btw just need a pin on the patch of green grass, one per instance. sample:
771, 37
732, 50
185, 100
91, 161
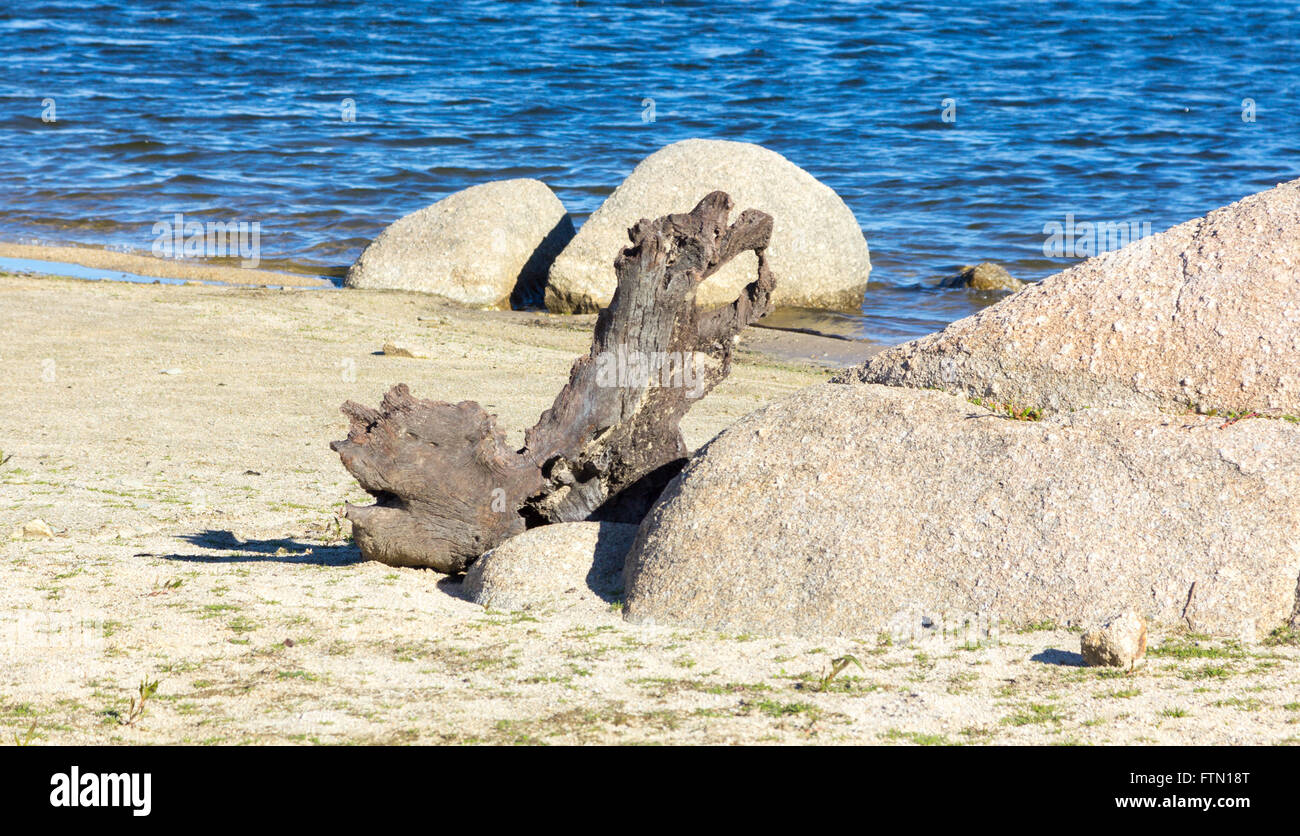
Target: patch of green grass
19, 709
1112, 673
1125, 694
1017, 413
1283, 636
1188, 647
1209, 672
306, 676
26, 739
1174, 712
1240, 704
1045, 625
977, 733
837, 667
918, 738
1033, 714
775, 708
241, 624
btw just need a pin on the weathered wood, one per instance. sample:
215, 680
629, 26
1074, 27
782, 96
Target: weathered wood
447, 487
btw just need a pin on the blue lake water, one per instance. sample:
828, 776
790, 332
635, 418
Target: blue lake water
239, 111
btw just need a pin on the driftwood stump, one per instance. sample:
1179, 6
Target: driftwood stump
446, 486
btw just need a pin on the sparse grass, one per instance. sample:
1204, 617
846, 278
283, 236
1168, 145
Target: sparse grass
776, 708
1112, 673
1033, 714
27, 738
978, 733
241, 624
1125, 694
1283, 636
961, 683
837, 667
1208, 672
1012, 411
148, 687
1193, 647
1174, 712
918, 738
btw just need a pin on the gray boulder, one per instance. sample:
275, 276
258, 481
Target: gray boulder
478, 247
818, 253
850, 510
1205, 316
562, 566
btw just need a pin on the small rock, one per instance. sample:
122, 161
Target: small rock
1119, 643
36, 529
984, 276
169, 371
394, 350
564, 565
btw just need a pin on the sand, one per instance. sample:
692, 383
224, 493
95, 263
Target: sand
174, 438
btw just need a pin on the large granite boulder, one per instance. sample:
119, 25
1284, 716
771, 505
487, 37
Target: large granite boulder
1205, 316
561, 566
856, 510
479, 247
818, 253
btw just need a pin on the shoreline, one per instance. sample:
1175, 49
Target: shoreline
786, 338
149, 266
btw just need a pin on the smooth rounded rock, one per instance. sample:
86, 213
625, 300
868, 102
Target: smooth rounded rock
818, 252
480, 247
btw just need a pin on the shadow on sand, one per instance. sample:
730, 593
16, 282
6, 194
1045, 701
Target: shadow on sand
230, 549
1059, 657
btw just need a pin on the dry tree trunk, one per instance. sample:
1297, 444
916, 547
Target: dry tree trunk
447, 488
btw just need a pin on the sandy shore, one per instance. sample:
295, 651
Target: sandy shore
175, 440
